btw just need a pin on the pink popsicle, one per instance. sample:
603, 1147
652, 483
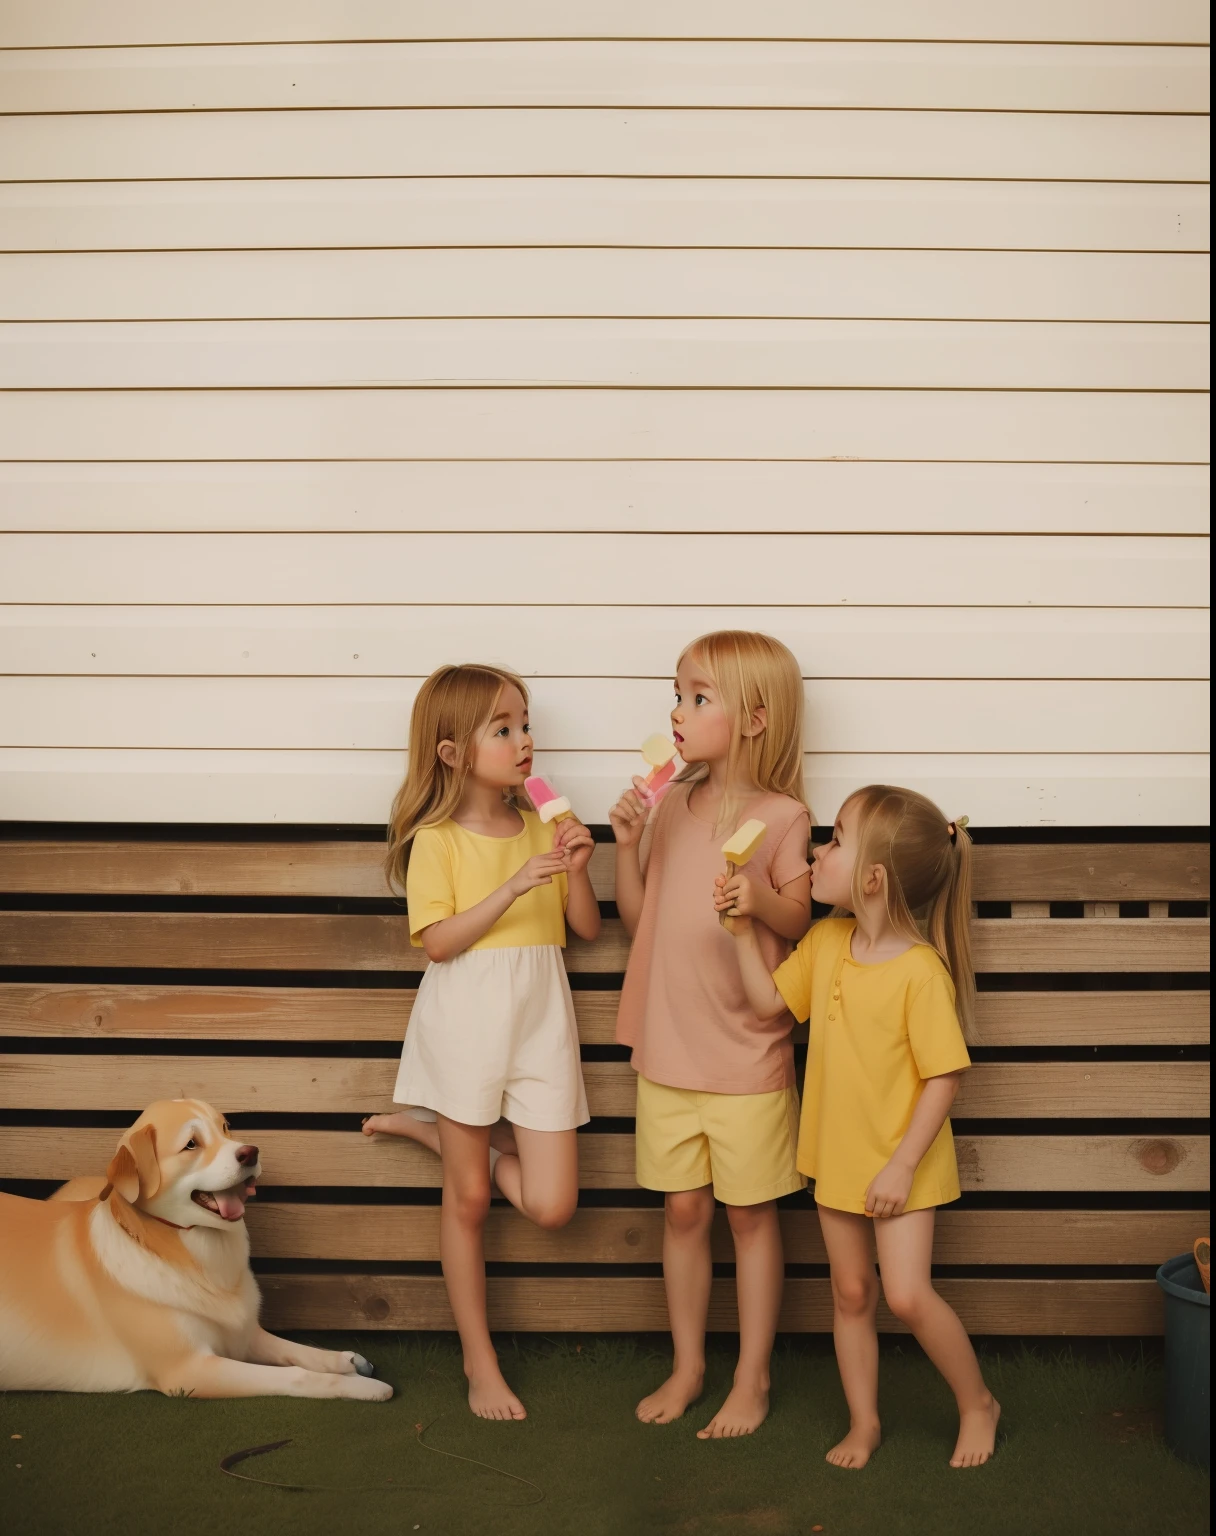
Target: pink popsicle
550, 806
661, 751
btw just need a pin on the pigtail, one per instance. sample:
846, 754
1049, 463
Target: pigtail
949, 923
928, 890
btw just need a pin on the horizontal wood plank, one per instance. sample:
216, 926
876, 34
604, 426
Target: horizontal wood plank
616, 354
351, 1085
553, 423
78, 23
597, 1235
603, 1304
831, 642
322, 568
633, 496
663, 284
1096, 872
847, 715
605, 141
316, 942
311, 214
1017, 77
95, 1011
295, 1159
248, 785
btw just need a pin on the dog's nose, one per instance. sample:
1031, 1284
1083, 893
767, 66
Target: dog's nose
246, 1156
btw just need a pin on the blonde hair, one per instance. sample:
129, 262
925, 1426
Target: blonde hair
454, 704
928, 865
752, 671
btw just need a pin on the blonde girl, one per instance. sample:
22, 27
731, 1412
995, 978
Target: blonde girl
717, 1109
887, 984
492, 1035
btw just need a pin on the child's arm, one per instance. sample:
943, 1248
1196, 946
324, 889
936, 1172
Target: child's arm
450, 936
787, 911
576, 845
889, 1189
628, 817
762, 996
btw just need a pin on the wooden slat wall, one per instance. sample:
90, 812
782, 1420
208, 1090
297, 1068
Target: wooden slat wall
1083, 1119
334, 338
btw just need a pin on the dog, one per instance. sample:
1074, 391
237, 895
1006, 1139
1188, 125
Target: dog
141, 1279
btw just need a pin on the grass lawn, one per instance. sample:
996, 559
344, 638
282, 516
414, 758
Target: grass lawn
1082, 1454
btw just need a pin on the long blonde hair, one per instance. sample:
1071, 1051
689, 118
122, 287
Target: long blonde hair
928, 865
452, 705
753, 670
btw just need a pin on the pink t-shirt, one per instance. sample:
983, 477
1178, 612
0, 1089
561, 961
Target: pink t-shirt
683, 1009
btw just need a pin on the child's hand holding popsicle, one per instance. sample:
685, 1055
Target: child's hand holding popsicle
734, 894
570, 837
629, 815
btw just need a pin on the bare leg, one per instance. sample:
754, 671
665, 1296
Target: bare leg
905, 1253
759, 1278
854, 1330
687, 1274
214, 1376
402, 1123
541, 1178
268, 1349
466, 1200
426, 1132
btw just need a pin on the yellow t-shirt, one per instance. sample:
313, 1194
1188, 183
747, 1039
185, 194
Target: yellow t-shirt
877, 1032
451, 869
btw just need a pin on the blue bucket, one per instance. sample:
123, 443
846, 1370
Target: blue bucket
1188, 1342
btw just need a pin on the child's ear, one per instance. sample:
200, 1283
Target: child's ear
875, 880
446, 753
758, 723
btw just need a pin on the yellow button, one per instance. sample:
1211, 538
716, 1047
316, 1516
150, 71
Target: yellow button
831, 1015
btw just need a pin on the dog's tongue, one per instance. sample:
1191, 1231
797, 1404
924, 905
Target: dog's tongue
230, 1202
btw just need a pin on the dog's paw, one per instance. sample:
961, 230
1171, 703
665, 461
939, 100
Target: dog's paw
371, 1391
361, 1366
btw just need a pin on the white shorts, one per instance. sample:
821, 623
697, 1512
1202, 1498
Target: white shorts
493, 1034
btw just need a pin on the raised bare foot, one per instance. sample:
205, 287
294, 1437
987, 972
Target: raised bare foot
490, 1397
857, 1447
670, 1401
976, 1435
743, 1412
402, 1123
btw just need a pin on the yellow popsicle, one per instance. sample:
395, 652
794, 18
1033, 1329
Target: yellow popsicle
737, 850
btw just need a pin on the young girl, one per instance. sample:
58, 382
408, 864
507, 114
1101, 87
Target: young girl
492, 1034
885, 1056
717, 1109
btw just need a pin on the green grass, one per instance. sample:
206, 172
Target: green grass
1081, 1454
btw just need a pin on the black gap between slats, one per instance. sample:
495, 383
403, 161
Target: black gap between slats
363, 832
386, 1050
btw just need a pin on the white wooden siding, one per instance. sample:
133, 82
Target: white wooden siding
340, 339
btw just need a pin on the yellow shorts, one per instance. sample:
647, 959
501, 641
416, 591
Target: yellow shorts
743, 1144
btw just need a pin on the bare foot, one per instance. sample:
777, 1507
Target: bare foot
402, 1123
976, 1435
670, 1401
490, 1397
743, 1412
857, 1447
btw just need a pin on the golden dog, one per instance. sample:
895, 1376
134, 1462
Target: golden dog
142, 1280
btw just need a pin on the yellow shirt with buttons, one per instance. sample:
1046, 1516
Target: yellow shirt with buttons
877, 1033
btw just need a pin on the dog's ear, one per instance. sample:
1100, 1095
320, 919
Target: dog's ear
134, 1169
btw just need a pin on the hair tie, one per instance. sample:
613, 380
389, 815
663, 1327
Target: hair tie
959, 824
